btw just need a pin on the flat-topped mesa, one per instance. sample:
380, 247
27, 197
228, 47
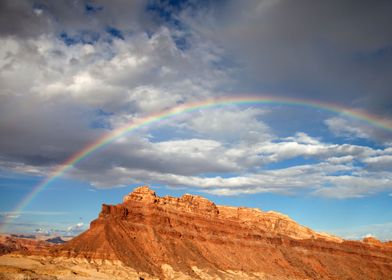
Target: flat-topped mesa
270, 221
148, 232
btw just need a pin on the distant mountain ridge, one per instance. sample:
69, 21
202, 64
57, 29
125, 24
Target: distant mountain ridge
55, 240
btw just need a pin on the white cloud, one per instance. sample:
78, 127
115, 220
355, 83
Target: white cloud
303, 138
341, 160
358, 184
10, 215
232, 124
382, 231
352, 128
76, 229
51, 90
343, 127
382, 162
335, 170
323, 179
369, 235
42, 231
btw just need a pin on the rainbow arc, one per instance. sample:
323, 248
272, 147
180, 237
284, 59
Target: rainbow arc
188, 108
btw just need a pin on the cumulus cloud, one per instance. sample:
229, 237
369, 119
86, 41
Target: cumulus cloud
334, 170
350, 128
232, 124
61, 96
342, 127
72, 71
383, 162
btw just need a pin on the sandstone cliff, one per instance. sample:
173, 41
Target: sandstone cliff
191, 234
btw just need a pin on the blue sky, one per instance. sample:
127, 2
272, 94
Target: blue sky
71, 73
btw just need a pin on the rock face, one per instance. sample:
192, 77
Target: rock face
9, 244
191, 234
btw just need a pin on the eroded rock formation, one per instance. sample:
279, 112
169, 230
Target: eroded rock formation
147, 232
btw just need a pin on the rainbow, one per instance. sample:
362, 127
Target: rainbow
188, 108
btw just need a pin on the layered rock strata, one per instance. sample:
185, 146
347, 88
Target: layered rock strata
147, 232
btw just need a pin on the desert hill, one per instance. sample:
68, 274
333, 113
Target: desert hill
190, 236
147, 231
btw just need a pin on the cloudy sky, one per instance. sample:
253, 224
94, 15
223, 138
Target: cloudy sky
73, 71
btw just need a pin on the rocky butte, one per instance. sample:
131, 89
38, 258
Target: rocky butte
190, 238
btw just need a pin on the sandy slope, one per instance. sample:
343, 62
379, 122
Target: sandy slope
13, 266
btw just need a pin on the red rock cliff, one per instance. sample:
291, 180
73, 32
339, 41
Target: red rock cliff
146, 231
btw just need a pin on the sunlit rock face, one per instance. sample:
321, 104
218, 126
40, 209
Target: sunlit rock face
192, 237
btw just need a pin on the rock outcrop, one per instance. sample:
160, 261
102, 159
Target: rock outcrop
149, 233
186, 203
372, 241
166, 237
9, 244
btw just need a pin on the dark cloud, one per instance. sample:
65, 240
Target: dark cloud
28, 18
21, 18
338, 51
41, 134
